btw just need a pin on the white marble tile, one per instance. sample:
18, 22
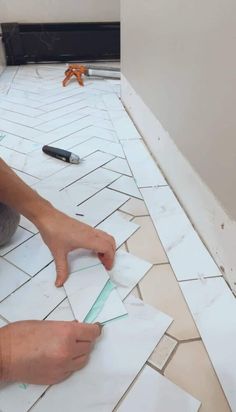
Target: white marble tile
82, 259
11, 278
95, 102
93, 131
31, 256
100, 206
20, 130
78, 107
116, 360
89, 185
64, 102
26, 224
126, 185
70, 141
62, 121
118, 227
119, 166
125, 128
152, 392
145, 170
2, 323
112, 102
18, 108
128, 270
72, 173
59, 200
19, 396
17, 118
18, 143
213, 308
83, 288
187, 254
94, 144
35, 299
20, 236
73, 127
64, 94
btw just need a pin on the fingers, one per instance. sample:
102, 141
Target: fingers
105, 247
85, 332
61, 268
79, 363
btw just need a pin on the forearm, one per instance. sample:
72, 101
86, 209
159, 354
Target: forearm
16, 194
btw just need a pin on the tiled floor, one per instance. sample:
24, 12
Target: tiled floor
34, 110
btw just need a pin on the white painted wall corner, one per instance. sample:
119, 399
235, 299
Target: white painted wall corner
216, 229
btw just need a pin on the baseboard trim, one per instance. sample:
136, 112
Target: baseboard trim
216, 229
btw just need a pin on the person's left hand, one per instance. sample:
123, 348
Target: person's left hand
62, 234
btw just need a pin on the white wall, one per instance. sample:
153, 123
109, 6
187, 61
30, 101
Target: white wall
31, 11
179, 55
179, 84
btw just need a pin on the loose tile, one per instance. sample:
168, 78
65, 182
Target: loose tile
83, 288
151, 249
187, 254
127, 185
160, 289
20, 236
35, 299
118, 227
140, 160
213, 307
89, 185
190, 368
72, 173
11, 278
127, 271
151, 389
100, 206
113, 308
122, 360
135, 207
31, 256
119, 166
162, 352
82, 259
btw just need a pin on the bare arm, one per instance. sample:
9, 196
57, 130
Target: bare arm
61, 233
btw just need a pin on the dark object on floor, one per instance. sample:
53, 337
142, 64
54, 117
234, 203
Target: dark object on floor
47, 42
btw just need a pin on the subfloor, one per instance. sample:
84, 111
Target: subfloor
33, 103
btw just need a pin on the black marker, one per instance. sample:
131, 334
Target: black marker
61, 154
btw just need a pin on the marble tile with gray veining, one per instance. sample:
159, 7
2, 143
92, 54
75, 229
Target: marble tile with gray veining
11, 278
187, 254
213, 307
116, 365
152, 391
127, 185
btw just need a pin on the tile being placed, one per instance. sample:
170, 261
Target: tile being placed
83, 288
100, 206
82, 259
119, 166
115, 355
113, 308
31, 256
213, 308
20, 236
72, 173
144, 168
126, 185
89, 185
118, 227
151, 391
11, 278
127, 271
35, 299
187, 254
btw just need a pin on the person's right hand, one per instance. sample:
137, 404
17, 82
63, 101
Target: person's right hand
44, 352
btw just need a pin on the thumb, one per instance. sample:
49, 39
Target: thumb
61, 269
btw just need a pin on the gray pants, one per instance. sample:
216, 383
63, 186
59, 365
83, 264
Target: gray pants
9, 220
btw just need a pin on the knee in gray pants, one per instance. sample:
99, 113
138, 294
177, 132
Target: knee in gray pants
9, 220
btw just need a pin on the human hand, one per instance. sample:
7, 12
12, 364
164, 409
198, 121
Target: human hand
62, 234
44, 352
